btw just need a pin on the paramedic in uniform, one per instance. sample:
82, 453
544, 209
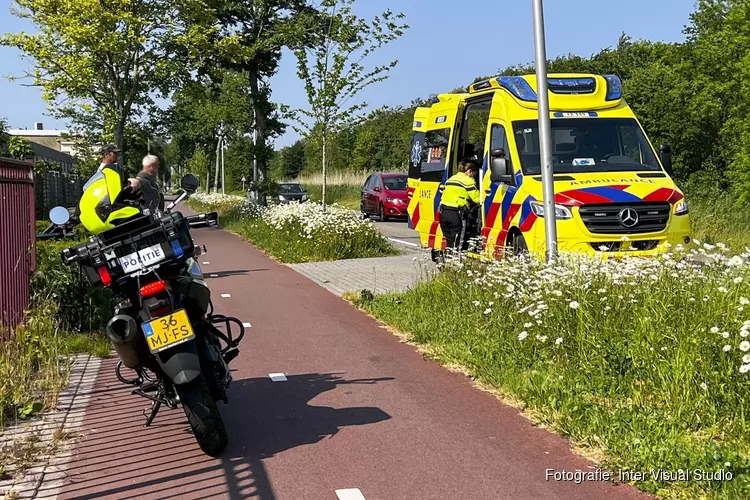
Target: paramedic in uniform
460, 195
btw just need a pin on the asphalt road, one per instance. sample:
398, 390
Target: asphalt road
357, 414
398, 233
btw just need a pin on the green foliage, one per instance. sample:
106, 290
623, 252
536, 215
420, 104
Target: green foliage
4, 138
98, 63
19, 148
330, 64
82, 307
297, 232
626, 358
347, 196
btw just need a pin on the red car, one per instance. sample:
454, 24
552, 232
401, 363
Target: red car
384, 195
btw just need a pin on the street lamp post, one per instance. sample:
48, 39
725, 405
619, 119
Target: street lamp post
545, 132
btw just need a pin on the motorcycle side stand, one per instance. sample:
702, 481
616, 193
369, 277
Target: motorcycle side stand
147, 386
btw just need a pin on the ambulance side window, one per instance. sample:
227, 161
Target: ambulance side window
434, 154
499, 140
415, 159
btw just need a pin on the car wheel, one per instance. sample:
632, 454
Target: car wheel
363, 210
382, 217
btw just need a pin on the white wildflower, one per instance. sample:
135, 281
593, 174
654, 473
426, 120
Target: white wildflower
523, 335
744, 346
574, 305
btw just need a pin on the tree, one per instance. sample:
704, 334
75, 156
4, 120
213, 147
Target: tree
99, 63
331, 67
247, 37
19, 148
4, 138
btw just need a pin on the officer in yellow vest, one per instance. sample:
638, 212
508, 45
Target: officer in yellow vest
460, 195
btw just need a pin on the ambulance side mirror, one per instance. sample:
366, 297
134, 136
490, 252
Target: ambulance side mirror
665, 154
500, 167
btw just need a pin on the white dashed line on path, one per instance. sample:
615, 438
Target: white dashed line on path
277, 377
350, 494
247, 325
206, 263
226, 295
214, 275
407, 243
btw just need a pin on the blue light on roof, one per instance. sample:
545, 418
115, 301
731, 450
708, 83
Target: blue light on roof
614, 87
433, 99
572, 82
518, 87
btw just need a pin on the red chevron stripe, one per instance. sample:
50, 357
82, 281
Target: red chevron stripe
494, 210
527, 224
661, 194
433, 234
585, 197
415, 217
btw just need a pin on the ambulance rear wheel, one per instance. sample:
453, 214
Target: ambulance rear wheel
518, 245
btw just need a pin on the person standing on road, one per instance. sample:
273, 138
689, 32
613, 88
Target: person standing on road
460, 195
149, 188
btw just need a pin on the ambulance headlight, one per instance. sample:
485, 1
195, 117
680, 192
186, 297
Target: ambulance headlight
681, 207
561, 211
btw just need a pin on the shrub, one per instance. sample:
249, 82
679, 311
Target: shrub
299, 232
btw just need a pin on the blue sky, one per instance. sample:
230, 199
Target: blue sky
443, 49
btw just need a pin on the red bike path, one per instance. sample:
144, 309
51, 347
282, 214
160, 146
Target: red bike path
359, 411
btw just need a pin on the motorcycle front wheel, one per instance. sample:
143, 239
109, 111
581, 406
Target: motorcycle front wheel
204, 417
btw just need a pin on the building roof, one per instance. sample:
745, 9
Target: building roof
36, 133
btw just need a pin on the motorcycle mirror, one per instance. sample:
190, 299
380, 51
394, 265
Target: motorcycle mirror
189, 183
59, 215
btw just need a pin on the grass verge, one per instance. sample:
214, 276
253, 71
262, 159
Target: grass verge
297, 233
644, 364
66, 318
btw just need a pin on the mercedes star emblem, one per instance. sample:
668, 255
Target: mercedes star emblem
628, 217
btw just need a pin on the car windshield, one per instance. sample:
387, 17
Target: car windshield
582, 145
290, 188
395, 183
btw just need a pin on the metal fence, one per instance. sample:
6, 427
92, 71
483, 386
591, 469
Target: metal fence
17, 239
57, 189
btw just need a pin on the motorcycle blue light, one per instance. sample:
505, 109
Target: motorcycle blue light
518, 87
614, 87
177, 248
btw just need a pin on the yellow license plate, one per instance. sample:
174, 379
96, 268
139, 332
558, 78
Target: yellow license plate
168, 331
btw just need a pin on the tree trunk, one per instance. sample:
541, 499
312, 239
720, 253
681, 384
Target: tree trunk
119, 137
325, 166
260, 105
216, 174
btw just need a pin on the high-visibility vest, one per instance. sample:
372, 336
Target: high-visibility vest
460, 191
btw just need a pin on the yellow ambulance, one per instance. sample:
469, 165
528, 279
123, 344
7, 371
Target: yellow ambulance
613, 192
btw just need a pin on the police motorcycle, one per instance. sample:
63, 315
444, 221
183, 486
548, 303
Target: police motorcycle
164, 328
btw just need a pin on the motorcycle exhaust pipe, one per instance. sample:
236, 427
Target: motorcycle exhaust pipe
123, 334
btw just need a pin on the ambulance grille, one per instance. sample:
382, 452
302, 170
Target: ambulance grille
605, 219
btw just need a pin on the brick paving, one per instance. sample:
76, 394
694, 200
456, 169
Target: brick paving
44, 479
379, 275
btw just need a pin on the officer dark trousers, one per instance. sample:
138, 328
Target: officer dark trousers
451, 224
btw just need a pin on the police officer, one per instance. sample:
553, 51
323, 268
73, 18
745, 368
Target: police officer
460, 195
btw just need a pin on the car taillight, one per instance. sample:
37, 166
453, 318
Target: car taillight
153, 288
104, 275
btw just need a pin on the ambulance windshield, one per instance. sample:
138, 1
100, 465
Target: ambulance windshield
581, 145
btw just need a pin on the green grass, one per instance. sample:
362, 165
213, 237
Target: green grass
347, 196
624, 382
66, 318
300, 233
717, 217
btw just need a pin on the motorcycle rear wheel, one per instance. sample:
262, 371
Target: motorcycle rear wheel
204, 417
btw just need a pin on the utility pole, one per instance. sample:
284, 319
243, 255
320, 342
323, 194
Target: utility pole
223, 146
545, 133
